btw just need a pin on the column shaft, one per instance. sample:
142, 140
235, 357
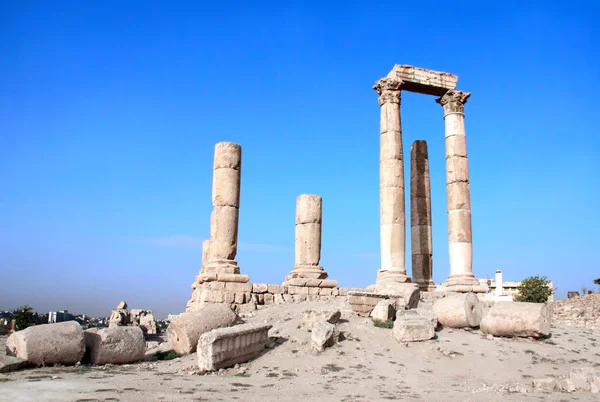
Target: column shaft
420, 217
458, 193
308, 238
391, 184
226, 202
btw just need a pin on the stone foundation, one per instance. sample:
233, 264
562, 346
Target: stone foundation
242, 296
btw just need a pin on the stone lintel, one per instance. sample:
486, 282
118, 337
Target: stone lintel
421, 80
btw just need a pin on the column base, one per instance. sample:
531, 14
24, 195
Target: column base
428, 286
464, 285
223, 271
307, 271
392, 276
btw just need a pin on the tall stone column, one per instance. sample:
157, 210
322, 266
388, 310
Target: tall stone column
420, 217
391, 184
226, 202
458, 195
308, 238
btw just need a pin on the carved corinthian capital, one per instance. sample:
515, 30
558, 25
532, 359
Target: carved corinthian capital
388, 90
454, 101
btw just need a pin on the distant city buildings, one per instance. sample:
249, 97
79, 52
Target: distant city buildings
59, 316
507, 291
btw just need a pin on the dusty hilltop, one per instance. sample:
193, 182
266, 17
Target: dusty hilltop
366, 364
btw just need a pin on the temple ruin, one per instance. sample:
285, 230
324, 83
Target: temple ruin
220, 280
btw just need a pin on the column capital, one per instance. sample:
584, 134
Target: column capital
388, 90
453, 101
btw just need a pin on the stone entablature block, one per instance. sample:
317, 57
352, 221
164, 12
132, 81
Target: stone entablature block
225, 347
424, 81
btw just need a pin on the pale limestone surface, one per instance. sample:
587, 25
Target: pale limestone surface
391, 184
517, 319
410, 326
225, 347
185, 332
420, 217
117, 345
458, 310
59, 343
421, 80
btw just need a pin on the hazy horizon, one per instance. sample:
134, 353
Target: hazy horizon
109, 114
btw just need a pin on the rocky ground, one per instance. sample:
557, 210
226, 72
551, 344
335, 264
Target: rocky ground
368, 365
579, 312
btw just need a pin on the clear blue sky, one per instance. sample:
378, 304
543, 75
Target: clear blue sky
109, 114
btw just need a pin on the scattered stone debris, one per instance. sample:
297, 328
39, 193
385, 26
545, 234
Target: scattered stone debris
580, 311
309, 318
581, 379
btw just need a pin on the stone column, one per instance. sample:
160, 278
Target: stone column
499, 283
308, 238
392, 218
420, 217
226, 202
458, 195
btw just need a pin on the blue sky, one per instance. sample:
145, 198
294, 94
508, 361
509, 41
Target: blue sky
109, 114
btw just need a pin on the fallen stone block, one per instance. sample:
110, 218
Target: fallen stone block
582, 378
407, 295
458, 311
225, 347
385, 310
566, 385
309, 318
430, 315
363, 302
410, 326
545, 384
117, 345
11, 363
322, 335
184, 333
517, 319
60, 343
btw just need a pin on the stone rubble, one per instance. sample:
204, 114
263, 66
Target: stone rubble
410, 326
580, 311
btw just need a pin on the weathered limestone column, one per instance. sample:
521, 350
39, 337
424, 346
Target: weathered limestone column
420, 217
391, 184
226, 202
458, 194
308, 238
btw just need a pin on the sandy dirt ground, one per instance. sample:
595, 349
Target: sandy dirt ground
369, 365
